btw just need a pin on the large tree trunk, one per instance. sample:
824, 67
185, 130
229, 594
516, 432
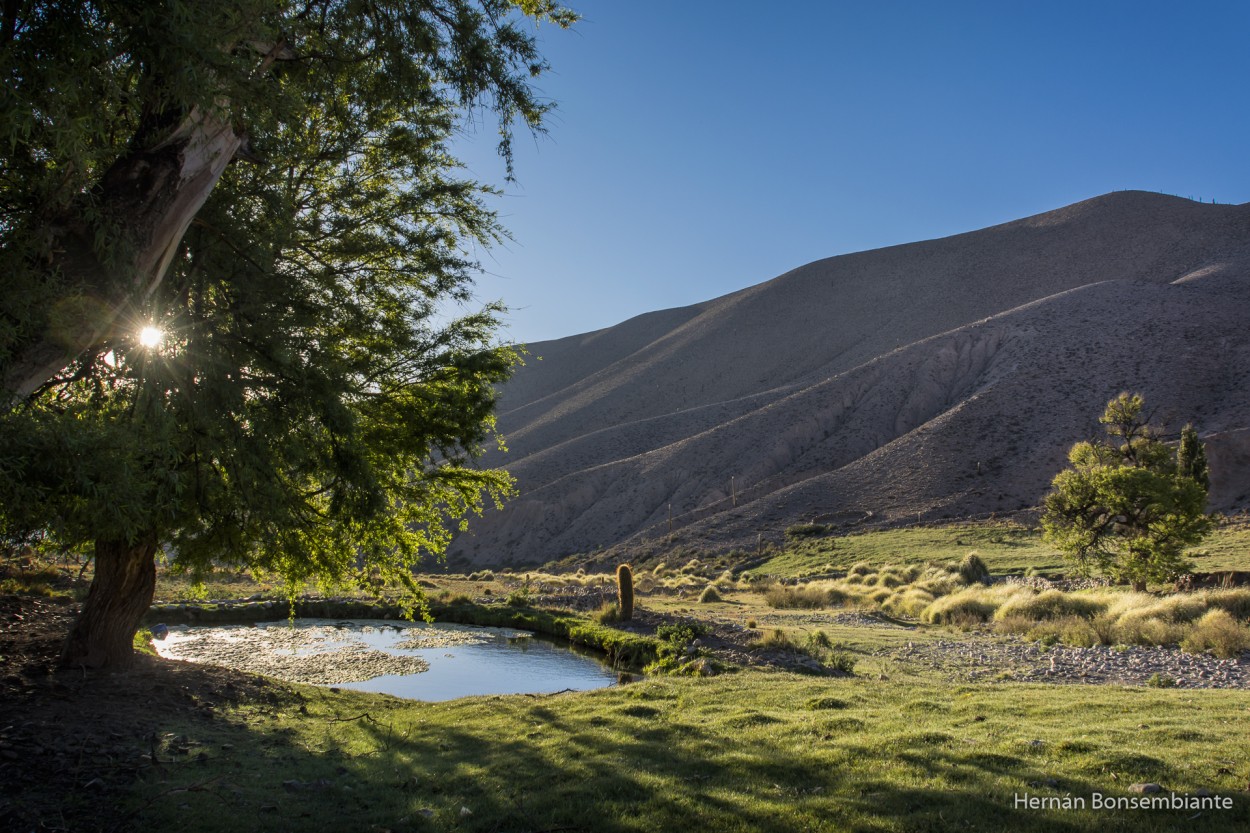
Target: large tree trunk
149, 196
121, 592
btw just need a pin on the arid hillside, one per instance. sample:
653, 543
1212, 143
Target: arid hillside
937, 379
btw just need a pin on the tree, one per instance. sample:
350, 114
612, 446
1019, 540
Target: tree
313, 404
1125, 508
1191, 458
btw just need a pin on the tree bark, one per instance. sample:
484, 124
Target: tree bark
121, 592
150, 195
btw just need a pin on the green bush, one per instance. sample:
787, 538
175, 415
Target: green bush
808, 530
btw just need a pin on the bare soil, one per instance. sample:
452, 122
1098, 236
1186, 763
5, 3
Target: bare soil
72, 743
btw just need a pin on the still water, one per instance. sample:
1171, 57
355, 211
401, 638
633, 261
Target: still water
414, 660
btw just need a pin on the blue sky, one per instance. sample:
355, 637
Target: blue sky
701, 146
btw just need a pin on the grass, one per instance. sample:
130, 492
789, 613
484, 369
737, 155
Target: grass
755, 751
1007, 549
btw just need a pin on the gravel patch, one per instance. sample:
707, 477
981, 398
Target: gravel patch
982, 658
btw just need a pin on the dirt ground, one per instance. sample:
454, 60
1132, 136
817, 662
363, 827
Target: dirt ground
71, 743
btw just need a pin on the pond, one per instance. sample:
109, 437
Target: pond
415, 660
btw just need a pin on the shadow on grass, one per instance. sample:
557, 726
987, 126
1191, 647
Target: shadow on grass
632, 761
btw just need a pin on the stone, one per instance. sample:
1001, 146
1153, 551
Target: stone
1145, 788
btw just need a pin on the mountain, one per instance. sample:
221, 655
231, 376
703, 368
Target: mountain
932, 380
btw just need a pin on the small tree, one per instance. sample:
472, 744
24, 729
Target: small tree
1126, 507
1191, 458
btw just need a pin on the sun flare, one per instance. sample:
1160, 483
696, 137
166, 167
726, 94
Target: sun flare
151, 336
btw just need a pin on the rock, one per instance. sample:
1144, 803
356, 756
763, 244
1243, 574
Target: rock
1145, 789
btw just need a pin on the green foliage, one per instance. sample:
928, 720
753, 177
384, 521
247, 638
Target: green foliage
1191, 458
1122, 509
625, 591
680, 634
314, 411
811, 530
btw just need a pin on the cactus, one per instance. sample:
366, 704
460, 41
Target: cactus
625, 591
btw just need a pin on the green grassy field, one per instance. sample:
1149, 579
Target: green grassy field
754, 751
1005, 548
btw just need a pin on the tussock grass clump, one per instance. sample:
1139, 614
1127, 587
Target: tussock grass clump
1052, 604
1235, 602
482, 575
911, 601
971, 606
860, 569
776, 638
608, 614
792, 598
1219, 633
710, 595
973, 570
1140, 628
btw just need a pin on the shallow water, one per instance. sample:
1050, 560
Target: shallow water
414, 660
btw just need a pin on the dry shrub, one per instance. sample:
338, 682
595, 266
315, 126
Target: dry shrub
709, 595
1219, 633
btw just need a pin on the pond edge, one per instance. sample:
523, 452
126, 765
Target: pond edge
624, 651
